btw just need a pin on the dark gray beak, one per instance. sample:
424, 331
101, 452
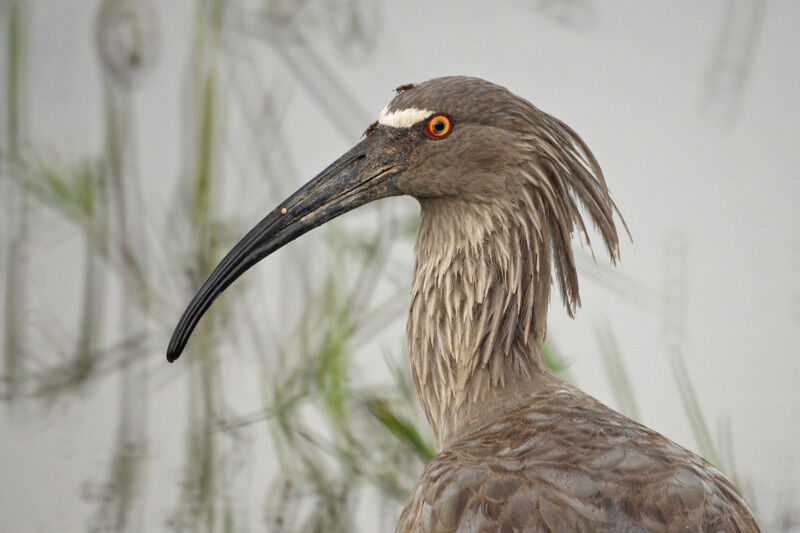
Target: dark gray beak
367, 172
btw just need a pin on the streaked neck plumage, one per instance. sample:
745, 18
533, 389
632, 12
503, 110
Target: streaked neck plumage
478, 309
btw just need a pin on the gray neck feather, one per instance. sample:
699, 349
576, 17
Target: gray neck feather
485, 260
478, 308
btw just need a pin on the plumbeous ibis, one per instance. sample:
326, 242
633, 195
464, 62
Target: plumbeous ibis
502, 188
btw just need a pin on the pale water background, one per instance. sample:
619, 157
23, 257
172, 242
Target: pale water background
709, 164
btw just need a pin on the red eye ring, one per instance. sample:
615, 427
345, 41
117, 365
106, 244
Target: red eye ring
438, 126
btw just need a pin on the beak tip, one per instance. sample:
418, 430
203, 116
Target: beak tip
173, 352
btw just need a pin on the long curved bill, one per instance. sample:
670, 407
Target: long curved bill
367, 172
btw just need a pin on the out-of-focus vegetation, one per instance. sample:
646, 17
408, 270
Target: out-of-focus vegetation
340, 448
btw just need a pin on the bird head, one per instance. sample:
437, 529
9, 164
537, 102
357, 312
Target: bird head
455, 139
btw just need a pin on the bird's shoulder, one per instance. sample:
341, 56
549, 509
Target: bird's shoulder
568, 463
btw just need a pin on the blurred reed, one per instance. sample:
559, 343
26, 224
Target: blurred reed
616, 372
125, 38
16, 207
338, 442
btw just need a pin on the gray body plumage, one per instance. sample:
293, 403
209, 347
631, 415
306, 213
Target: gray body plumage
558, 460
503, 188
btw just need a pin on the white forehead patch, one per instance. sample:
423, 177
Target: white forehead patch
403, 118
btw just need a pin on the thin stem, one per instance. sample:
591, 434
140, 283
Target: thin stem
16, 208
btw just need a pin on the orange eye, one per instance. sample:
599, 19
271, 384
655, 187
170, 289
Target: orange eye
438, 126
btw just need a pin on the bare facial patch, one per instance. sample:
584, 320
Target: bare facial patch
403, 118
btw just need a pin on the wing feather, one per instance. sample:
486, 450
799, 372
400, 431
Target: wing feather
567, 463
